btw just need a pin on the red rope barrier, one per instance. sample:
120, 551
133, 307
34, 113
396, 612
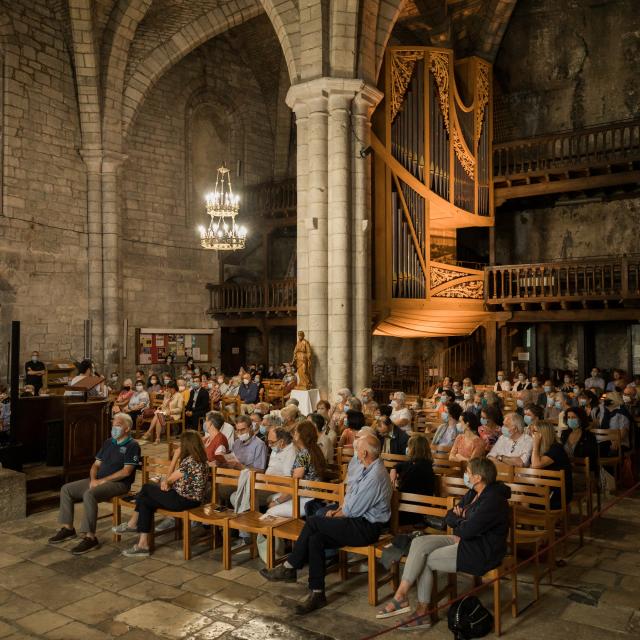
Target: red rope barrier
514, 569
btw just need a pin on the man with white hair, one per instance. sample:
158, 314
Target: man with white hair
111, 475
401, 414
514, 446
358, 522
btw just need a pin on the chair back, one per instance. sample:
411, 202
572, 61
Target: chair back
273, 484
452, 486
446, 467
614, 436
328, 491
505, 471
154, 466
223, 477
390, 460
417, 503
543, 477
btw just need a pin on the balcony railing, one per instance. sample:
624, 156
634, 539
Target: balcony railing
271, 200
584, 280
271, 297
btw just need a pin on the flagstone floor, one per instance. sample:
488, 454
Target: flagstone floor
45, 592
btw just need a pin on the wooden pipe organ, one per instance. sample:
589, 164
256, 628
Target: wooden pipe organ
432, 173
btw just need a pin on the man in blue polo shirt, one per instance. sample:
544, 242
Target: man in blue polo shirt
111, 475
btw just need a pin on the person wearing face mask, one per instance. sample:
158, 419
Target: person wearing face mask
184, 389
445, 385
441, 399
138, 402
553, 407
401, 415
502, 383
535, 384
111, 475
630, 400
214, 441
533, 414
369, 405
392, 439
249, 394
259, 428
353, 422
122, 400
547, 390
323, 408
548, 453
522, 397
114, 384
198, 404
172, 406
281, 458
468, 400
521, 383
513, 446
447, 432
579, 442
615, 416
490, 425
250, 451
359, 521
468, 444
338, 411
324, 442
457, 391
595, 380
154, 385
567, 383
480, 524
35, 371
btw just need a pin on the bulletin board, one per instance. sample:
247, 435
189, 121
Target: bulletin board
154, 345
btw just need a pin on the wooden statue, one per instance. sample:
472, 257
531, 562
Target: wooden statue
302, 361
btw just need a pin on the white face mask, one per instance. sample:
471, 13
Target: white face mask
243, 437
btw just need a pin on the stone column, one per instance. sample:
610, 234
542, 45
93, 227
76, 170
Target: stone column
112, 262
93, 160
364, 103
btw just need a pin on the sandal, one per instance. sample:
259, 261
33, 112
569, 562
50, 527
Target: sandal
399, 607
416, 622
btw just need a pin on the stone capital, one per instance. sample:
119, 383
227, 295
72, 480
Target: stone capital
329, 91
112, 161
92, 159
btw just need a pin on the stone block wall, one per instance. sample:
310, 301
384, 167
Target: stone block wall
43, 272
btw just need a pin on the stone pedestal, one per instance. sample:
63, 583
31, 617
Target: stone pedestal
307, 399
13, 495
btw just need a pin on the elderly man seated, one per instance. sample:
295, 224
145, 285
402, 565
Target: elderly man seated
358, 522
514, 445
111, 475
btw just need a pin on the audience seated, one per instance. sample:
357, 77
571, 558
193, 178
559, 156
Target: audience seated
353, 422
154, 385
122, 399
617, 384
198, 404
111, 475
595, 380
468, 444
548, 453
447, 432
325, 443
547, 390
172, 407
615, 416
480, 524
215, 442
358, 522
249, 394
490, 424
401, 414
138, 402
392, 439
533, 414
502, 382
338, 411
521, 383
513, 446
289, 415
415, 475
369, 405
579, 442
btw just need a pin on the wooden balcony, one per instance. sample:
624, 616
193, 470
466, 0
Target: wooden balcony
590, 158
586, 283
272, 298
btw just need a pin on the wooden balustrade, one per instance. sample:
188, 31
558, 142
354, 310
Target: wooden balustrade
271, 200
272, 296
593, 157
607, 281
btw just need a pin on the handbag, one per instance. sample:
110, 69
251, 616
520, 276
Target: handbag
469, 619
435, 522
148, 413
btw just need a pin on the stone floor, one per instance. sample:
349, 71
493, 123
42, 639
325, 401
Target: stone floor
47, 593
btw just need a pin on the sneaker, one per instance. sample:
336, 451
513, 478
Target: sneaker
165, 524
123, 527
86, 544
315, 600
136, 552
62, 535
280, 574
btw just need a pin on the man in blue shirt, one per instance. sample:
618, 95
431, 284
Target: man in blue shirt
358, 523
111, 475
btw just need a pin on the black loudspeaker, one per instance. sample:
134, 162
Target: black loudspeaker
55, 443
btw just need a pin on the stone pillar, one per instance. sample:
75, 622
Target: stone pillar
364, 103
112, 262
93, 160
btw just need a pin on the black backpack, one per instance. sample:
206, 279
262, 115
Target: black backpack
469, 619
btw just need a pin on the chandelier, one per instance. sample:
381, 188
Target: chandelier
223, 233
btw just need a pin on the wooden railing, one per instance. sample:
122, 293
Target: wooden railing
273, 296
271, 200
581, 280
593, 146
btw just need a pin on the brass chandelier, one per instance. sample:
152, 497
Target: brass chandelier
223, 234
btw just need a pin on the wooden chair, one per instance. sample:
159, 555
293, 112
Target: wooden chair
256, 523
274, 392
155, 402
452, 486
343, 458
179, 422
581, 466
390, 460
213, 514
534, 524
614, 437
508, 565
505, 471
327, 491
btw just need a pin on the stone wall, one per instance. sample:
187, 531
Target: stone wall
165, 270
43, 273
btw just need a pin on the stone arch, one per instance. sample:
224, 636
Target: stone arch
169, 53
119, 34
285, 18
343, 38
388, 13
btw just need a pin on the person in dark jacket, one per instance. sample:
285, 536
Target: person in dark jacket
579, 442
392, 439
480, 524
198, 404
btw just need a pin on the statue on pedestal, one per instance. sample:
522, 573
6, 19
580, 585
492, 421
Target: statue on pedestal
302, 361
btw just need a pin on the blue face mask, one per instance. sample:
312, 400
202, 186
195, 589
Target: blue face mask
443, 399
484, 421
582, 402
467, 481
547, 389
263, 429
528, 420
445, 416
116, 432
573, 423
558, 405
459, 428
505, 432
